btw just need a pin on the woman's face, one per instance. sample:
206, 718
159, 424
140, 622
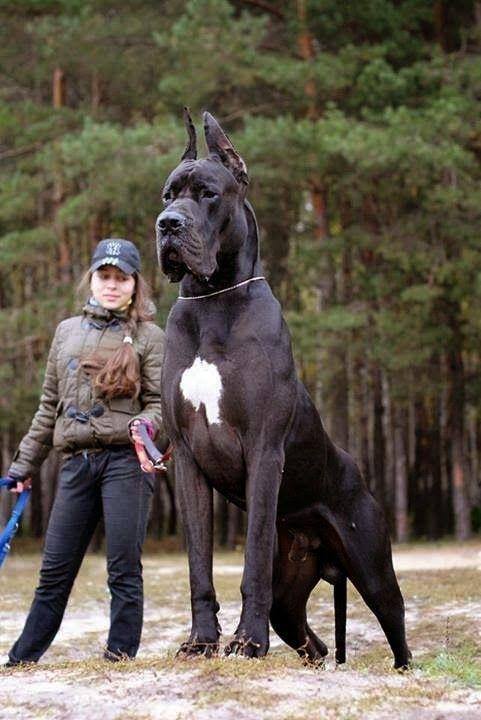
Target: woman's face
111, 287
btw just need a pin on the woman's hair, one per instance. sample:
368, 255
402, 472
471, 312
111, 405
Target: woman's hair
119, 375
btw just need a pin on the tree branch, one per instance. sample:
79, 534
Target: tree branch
17, 152
262, 5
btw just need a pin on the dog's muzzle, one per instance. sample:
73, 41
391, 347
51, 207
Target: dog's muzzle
171, 222
181, 249
170, 259
170, 226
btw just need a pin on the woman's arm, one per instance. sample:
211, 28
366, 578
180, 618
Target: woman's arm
37, 443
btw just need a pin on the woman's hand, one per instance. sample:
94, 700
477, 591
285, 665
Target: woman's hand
25, 484
144, 460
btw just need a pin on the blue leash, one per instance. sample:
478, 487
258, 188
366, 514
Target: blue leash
12, 525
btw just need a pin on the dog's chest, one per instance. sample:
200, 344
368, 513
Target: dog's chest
201, 387
202, 401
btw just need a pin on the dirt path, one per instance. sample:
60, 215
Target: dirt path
438, 557
442, 590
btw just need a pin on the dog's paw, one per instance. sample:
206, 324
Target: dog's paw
247, 647
196, 648
313, 653
316, 663
251, 638
403, 661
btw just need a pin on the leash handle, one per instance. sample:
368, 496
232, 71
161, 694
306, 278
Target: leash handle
8, 482
12, 525
157, 458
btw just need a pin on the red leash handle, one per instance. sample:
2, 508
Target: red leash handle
157, 458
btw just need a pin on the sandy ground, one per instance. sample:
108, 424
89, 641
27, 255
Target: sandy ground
437, 557
442, 590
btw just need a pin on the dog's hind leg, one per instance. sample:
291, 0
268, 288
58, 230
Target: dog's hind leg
368, 564
296, 573
360, 548
380, 591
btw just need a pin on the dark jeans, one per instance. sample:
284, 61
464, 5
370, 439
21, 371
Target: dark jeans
111, 483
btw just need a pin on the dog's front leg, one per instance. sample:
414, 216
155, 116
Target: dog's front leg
263, 482
196, 506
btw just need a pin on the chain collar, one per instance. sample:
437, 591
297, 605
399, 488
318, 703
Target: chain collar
218, 292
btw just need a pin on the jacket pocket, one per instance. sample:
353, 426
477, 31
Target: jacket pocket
127, 405
120, 411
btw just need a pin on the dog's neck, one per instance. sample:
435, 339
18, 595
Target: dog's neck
233, 268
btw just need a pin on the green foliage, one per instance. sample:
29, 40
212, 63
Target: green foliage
382, 122
210, 55
460, 664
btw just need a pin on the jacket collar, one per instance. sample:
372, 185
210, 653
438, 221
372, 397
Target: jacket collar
101, 316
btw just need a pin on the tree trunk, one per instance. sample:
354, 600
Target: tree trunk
440, 27
96, 92
337, 413
307, 53
446, 510
411, 430
436, 497
379, 441
388, 431
363, 421
339, 400
475, 489
5, 497
455, 367
462, 521
64, 259
340, 387
58, 88
418, 477
401, 477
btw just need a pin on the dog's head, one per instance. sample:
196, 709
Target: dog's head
204, 206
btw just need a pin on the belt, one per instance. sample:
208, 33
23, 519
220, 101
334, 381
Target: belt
101, 448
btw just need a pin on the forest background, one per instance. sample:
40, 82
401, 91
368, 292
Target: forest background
360, 124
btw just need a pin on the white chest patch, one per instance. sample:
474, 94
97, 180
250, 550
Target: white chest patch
201, 384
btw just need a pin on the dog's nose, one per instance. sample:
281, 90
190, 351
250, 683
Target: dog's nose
170, 222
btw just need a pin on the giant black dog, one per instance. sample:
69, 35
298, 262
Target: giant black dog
242, 422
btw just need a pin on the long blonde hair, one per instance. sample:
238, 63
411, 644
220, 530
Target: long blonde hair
119, 375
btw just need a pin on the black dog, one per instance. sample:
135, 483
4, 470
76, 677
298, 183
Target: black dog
241, 422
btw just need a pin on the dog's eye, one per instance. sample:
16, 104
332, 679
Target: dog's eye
208, 194
167, 198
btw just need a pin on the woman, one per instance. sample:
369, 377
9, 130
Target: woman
102, 377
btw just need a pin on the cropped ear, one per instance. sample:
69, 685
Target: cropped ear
190, 152
219, 144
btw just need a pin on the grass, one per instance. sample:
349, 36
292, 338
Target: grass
444, 630
461, 664
431, 587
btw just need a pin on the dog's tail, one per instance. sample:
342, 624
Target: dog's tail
340, 605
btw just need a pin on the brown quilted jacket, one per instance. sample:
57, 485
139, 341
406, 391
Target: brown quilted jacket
69, 417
